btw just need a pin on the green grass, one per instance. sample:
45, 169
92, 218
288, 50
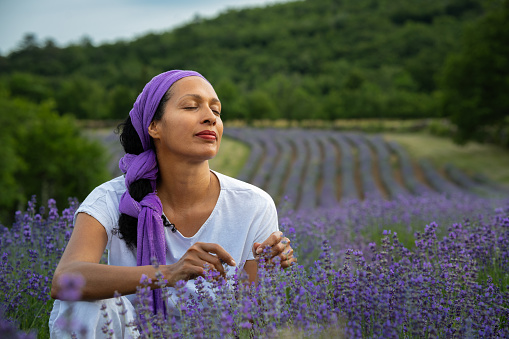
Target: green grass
231, 157
488, 160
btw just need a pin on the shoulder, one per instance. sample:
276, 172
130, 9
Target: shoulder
115, 184
102, 204
238, 188
108, 193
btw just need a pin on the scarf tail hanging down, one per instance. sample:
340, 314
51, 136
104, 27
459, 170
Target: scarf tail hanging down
151, 240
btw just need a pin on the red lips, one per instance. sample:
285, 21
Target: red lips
206, 134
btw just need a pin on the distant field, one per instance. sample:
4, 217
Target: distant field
489, 160
319, 167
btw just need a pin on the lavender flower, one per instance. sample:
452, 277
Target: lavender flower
450, 280
71, 286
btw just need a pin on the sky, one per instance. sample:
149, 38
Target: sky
68, 21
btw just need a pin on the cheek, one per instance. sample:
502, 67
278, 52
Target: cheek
220, 136
220, 127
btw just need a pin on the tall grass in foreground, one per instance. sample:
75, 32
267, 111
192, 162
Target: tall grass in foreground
414, 267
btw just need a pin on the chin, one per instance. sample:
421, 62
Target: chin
206, 157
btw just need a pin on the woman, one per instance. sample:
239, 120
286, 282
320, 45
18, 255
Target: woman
172, 131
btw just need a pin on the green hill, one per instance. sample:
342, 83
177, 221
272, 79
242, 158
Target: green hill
315, 59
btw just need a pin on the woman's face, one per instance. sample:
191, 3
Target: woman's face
191, 126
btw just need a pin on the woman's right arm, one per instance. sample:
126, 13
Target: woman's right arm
87, 244
82, 256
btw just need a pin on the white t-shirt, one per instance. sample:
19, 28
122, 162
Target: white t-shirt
244, 214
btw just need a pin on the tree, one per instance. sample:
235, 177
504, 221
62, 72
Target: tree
44, 154
475, 81
29, 42
121, 102
232, 102
260, 106
29, 86
83, 98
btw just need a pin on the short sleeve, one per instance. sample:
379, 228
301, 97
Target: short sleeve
102, 205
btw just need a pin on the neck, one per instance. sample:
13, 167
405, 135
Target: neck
184, 185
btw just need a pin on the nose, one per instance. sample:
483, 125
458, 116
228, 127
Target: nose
209, 117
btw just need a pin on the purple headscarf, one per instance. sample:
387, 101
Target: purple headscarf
151, 239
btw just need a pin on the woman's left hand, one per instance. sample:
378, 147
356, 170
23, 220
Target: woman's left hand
280, 248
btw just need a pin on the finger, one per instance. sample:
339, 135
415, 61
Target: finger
289, 262
196, 271
277, 249
283, 257
286, 254
219, 251
281, 247
213, 261
273, 239
197, 264
255, 247
197, 258
192, 268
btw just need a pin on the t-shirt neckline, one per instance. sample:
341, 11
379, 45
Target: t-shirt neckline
218, 202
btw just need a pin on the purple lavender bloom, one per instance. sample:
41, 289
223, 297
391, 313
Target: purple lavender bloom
71, 286
448, 281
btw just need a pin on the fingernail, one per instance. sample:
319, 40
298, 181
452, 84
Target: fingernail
233, 263
259, 250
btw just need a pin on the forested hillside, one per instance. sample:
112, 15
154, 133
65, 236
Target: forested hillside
315, 59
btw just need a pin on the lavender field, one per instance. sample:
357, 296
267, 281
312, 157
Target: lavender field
317, 168
388, 246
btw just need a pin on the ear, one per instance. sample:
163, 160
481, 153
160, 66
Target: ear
153, 130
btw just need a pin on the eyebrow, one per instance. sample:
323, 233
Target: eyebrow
197, 96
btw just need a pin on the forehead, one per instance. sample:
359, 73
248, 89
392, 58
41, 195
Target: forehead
193, 85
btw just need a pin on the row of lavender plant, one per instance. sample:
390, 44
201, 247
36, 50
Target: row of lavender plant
309, 194
255, 155
436, 180
267, 163
407, 171
294, 180
348, 189
369, 188
280, 171
328, 196
384, 165
462, 180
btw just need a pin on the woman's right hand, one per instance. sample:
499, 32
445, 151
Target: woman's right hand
192, 264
